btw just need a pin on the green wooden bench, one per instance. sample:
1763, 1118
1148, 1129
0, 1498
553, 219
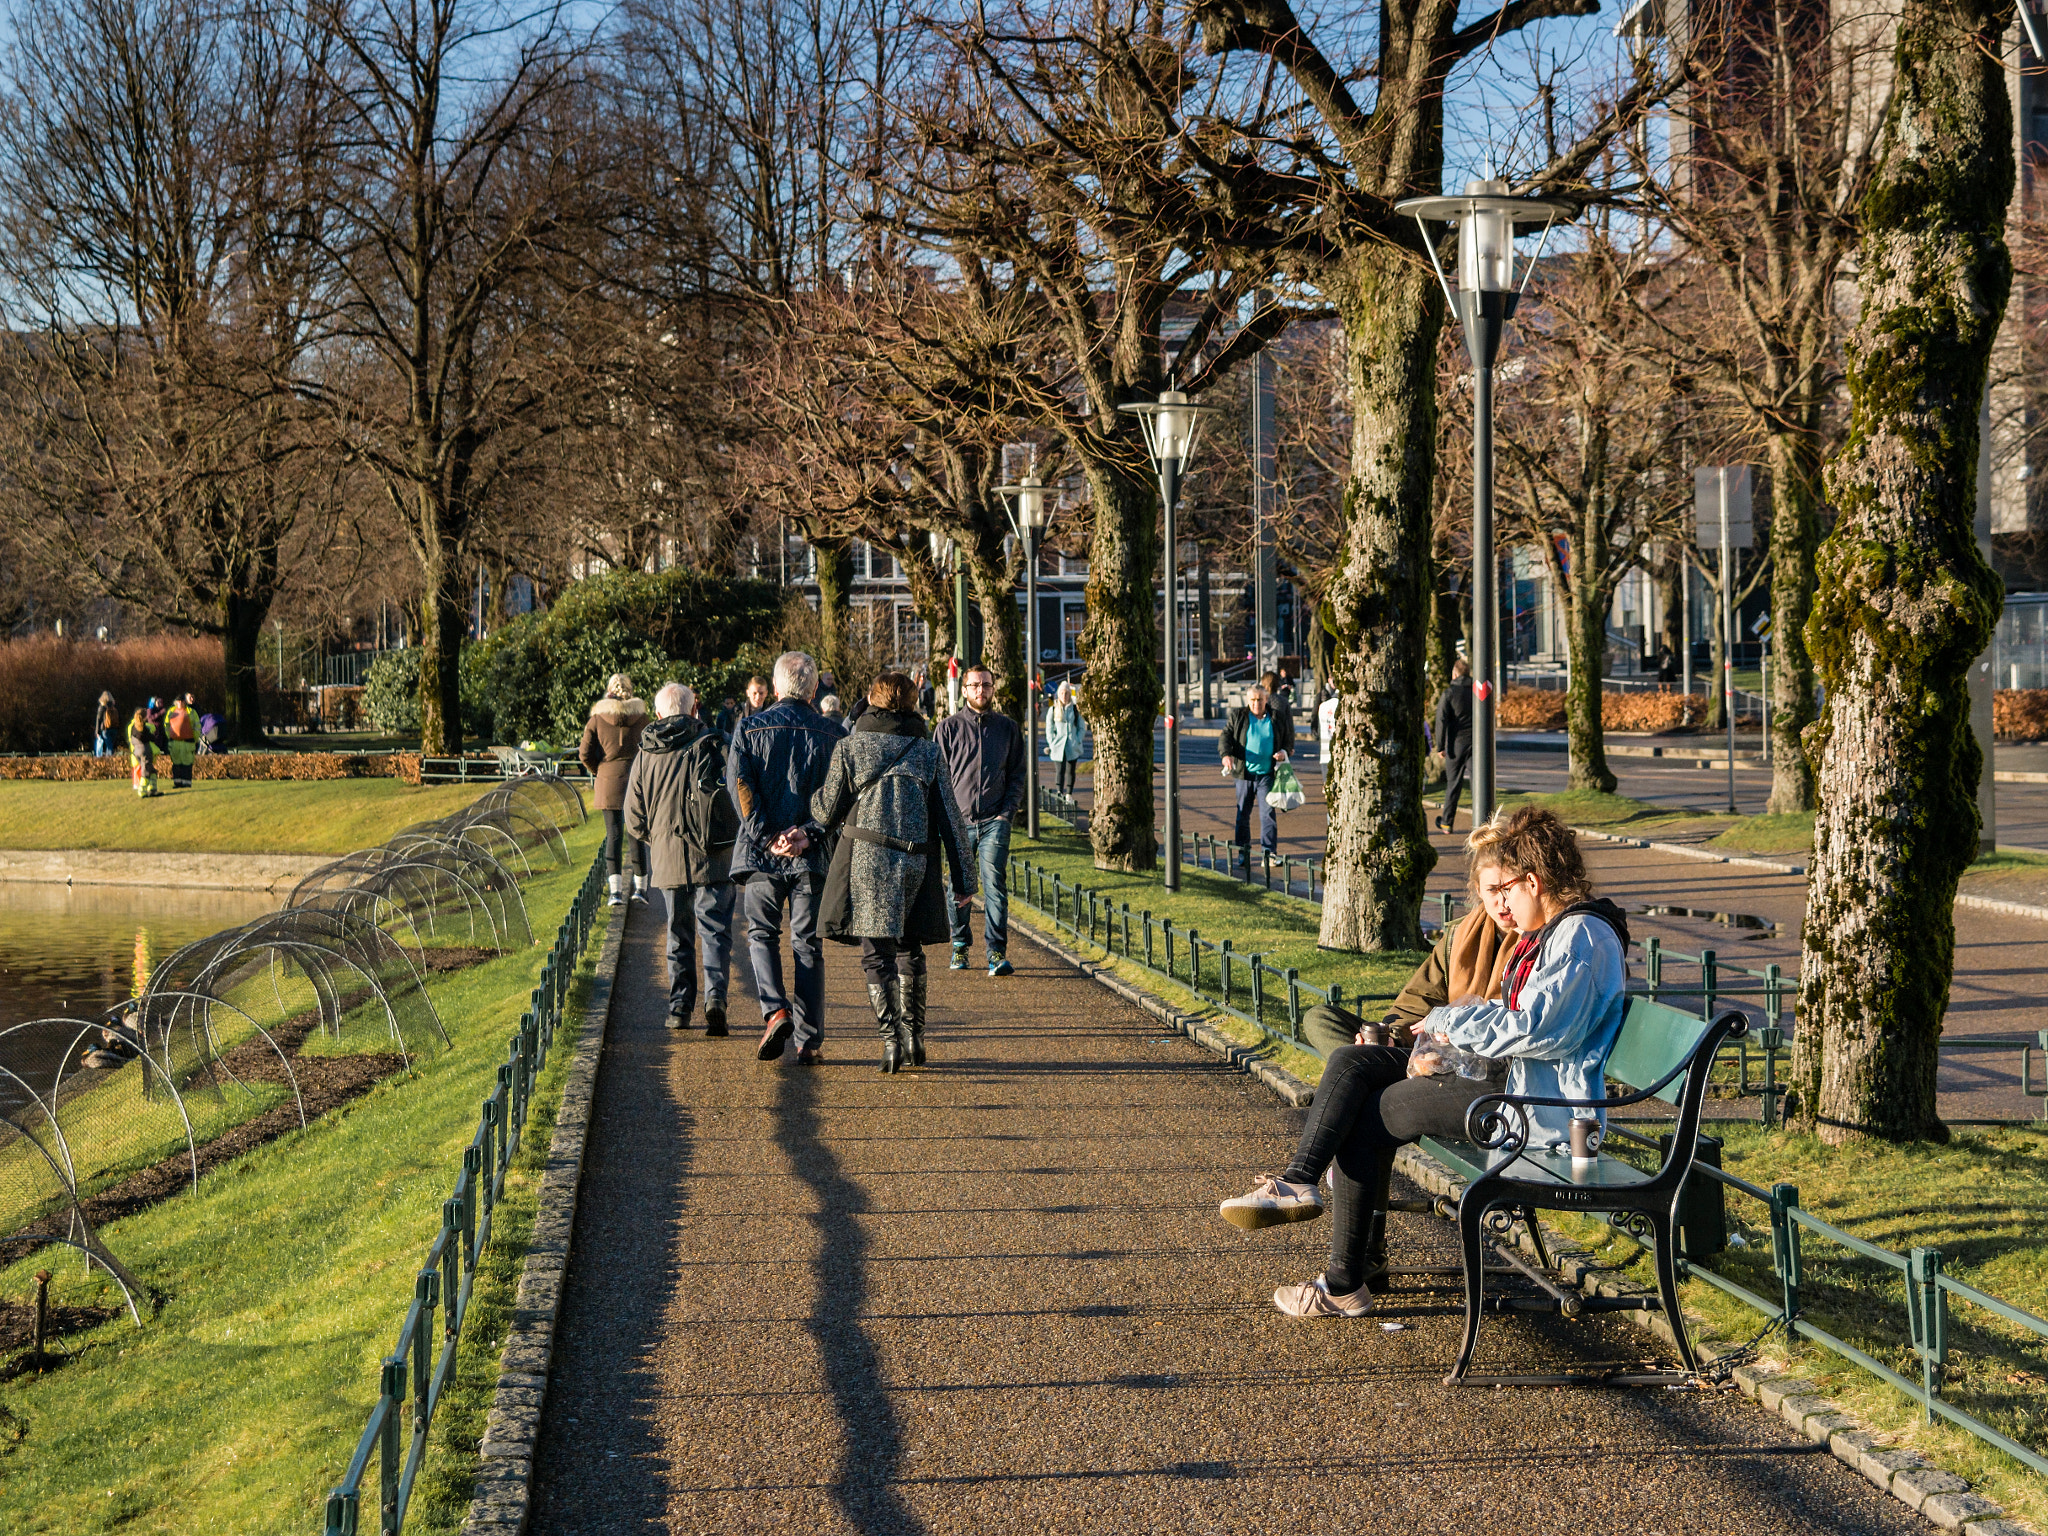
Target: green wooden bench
1660, 1053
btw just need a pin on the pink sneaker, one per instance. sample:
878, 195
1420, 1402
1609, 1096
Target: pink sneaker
1272, 1202
1312, 1298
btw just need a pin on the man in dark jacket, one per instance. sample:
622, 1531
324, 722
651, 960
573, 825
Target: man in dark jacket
778, 761
1257, 738
689, 854
1453, 735
984, 753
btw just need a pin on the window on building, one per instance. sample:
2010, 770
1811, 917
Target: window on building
1072, 617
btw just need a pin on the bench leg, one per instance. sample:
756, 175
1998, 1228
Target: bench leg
1535, 1226
1667, 1287
1471, 1222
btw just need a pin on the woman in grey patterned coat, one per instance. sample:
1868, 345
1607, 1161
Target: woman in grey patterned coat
887, 796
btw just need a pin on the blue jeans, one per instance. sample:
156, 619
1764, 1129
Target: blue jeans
988, 842
694, 912
1248, 791
104, 745
763, 903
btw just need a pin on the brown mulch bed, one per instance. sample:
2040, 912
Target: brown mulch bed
17, 1323
455, 957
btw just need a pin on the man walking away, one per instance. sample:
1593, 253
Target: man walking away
778, 761
105, 727
984, 753
1256, 739
181, 728
677, 808
1454, 739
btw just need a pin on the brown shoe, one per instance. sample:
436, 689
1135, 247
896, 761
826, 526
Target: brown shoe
776, 1034
810, 1056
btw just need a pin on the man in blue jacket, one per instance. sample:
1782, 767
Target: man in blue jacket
778, 761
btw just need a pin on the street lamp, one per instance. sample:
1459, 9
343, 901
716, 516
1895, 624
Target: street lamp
1487, 218
1172, 425
1029, 516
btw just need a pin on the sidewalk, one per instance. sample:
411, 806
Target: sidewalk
995, 1297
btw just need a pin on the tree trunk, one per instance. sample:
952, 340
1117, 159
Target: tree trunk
1717, 652
1586, 639
1379, 852
1670, 576
241, 633
1795, 537
933, 600
1002, 629
1904, 602
444, 616
834, 559
1120, 691
1446, 626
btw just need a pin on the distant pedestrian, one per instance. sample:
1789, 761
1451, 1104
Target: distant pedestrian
209, 734
985, 755
1257, 738
1063, 732
611, 739
888, 796
927, 696
106, 727
145, 740
727, 717
181, 727
830, 707
678, 808
757, 694
1453, 735
779, 758
1326, 723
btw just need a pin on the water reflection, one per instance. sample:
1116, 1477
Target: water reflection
78, 950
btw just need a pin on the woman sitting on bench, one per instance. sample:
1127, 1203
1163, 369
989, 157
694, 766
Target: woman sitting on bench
1549, 1035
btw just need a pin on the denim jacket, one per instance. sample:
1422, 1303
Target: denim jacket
778, 761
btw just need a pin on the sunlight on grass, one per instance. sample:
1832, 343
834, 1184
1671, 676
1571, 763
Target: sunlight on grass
322, 816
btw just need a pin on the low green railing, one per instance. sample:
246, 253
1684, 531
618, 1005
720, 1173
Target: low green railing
424, 1362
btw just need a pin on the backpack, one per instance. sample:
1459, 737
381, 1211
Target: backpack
709, 825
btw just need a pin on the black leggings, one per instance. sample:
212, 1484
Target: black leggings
1366, 1106
615, 841
882, 957
1063, 779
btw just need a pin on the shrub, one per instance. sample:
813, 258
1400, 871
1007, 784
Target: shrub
1540, 709
49, 685
2020, 714
71, 768
582, 665
391, 693
685, 614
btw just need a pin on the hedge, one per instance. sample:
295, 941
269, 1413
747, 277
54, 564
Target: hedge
71, 767
1540, 709
2020, 714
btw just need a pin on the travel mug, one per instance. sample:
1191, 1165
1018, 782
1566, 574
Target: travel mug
1585, 1140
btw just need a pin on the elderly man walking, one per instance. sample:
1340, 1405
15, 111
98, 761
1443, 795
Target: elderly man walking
778, 761
678, 808
1256, 739
984, 753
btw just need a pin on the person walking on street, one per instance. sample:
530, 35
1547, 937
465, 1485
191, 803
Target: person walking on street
778, 761
1326, 724
181, 730
106, 727
888, 796
1257, 738
1063, 732
678, 809
1454, 739
145, 740
610, 740
985, 755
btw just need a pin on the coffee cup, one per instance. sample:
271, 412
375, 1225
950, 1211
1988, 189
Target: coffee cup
1585, 1140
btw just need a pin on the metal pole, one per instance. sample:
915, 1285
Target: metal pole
1685, 618
1482, 314
1031, 679
1169, 493
1727, 636
1265, 573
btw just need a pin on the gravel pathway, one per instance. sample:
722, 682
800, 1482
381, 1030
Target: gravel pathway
995, 1297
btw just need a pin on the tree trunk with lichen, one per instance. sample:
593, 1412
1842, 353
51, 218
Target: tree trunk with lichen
1379, 853
1002, 624
834, 560
1795, 536
931, 595
1121, 691
1589, 593
1904, 601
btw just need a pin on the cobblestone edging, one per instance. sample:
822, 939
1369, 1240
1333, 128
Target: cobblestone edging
504, 1483
1928, 1490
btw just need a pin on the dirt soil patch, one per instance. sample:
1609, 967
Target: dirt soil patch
17, 1325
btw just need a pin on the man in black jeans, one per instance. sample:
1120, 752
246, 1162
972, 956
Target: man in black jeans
1454, 739
984, 753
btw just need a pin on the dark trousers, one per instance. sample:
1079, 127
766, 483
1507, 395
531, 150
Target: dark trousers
1456, 766
1065, 773
1366, 1106
615, 842
763, 902
883, 958
698, 912
1252, 791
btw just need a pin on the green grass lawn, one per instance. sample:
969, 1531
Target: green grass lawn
319, 816
286, 1275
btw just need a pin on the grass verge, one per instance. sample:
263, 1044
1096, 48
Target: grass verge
320, 816
285, 1277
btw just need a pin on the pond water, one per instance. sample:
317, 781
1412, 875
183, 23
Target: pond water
78, 950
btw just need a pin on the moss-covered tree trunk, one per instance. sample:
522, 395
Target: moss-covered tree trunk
1446, 628
1002, 624
1591, 590
1795, 539
834, 561
932, 596
1717, 652
444, 618
1379, 853
1121, 690
1905, 603
1668, 574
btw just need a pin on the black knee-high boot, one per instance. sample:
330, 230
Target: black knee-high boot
911, 991
888, 1023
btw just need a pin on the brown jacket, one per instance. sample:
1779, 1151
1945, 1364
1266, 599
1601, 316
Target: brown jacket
610, 743
1470, 950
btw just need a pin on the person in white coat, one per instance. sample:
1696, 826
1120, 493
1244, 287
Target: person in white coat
1063, 732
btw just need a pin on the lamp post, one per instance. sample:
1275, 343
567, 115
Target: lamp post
1029, 516
1172, 424
1487, 219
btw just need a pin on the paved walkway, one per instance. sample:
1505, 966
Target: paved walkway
995, 1297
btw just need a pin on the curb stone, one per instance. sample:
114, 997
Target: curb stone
504, 1481
1940, 1496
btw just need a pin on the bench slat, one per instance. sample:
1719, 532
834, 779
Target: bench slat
1653, 1040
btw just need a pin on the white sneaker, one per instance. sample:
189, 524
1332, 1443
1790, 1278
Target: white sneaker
1312, 1298
1272, 1202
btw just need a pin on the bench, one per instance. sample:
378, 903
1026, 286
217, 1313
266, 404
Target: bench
1668, 1053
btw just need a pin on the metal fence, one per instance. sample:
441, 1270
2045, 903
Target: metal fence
423, 1364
